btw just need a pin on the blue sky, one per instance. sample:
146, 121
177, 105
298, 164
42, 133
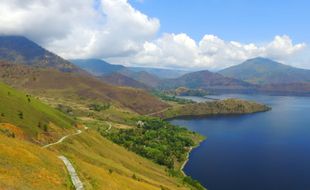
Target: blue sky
242, 20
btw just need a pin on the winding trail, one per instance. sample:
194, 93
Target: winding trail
74, 177
110, 126
62, 139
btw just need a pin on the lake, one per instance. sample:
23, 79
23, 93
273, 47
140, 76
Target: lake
262, 151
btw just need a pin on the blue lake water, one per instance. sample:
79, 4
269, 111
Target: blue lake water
263, 151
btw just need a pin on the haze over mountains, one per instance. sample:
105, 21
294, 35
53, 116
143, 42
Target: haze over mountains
254, 75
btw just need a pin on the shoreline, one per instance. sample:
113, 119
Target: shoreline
187, 159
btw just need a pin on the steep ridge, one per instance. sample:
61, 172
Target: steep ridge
18, 49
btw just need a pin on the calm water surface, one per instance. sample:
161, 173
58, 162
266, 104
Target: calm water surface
263, 151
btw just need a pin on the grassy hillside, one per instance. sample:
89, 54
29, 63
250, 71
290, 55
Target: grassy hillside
228, 106
102, 164
26, 112
27, 166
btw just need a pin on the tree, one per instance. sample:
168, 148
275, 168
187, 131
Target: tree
20, 115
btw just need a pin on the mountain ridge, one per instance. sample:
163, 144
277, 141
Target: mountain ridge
266, 71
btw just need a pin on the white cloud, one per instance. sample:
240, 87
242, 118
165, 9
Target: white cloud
179, 50
79, 28
114, 30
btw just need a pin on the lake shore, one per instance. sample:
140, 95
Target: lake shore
185, 162
187, 156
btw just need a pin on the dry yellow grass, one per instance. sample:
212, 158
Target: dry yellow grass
27, 166
102, 164
18, 132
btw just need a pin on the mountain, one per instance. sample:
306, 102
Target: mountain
265, 71
107, 72
143, 77
34, 69
97, 67
160, 73
205, 80
18, 49
122, 80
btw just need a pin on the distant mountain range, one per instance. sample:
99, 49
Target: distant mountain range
265, 71
141, 77
258, 75
100, 67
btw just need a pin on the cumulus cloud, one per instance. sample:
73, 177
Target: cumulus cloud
79, 28
212, 52
114, 30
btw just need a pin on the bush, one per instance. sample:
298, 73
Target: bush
99, 107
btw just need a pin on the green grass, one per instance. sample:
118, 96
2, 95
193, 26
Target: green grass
102, 164
28, 113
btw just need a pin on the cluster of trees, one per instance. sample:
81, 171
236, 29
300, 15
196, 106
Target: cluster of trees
65, 109
156, 139
99, 107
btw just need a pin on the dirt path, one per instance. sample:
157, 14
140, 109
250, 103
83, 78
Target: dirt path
154, 113
62, 139
74, 177
110, 126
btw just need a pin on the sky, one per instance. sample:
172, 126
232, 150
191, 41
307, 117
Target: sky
185, 34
